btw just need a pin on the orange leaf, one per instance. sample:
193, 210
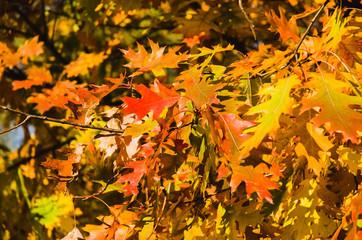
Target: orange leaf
233, 128
286, 29
83, 63
156, 61
30, 48
335, 106
36, 76
255, 180
192, 41
197, 88
222, 171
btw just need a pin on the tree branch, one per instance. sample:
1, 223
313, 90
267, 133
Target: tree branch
42, 36
10, 129
252, 26
310, 26
295, 52
49, 119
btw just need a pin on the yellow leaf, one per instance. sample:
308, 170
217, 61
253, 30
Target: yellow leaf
147, 232
193, 232
318, 136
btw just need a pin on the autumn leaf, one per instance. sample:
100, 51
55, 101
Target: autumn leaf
336, 26
336, 110
286, 29
280, 102
155, 100
116, 226
233, 127
75, 234
62, 93
50, 210
194, 231
197, 87
156, 61
82, 64
254, 179
36, 76
192, 41
211, 51
137, 129
139, 169
30, 48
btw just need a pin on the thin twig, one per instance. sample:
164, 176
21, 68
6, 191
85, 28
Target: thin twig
310, 26
295, 52
49, 119
10, 129
252, 26
100, 191
42, 36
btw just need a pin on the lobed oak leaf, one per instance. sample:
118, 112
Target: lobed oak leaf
286, 29
137, 129
155, 100
337, 28
155, 61
82, 64
115, 227
280, 102
336, 107
30, 48
36, 76
62, 93
139, 169
197, 88
254, 179
208, 51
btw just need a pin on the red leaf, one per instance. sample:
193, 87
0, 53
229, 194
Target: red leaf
155, 101
254, 179
222, 171
139, 169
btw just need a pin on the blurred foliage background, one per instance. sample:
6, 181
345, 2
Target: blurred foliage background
30, 208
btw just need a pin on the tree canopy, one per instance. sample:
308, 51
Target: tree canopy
203, 119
